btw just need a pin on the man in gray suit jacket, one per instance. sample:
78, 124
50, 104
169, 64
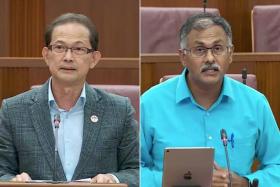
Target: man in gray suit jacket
97, 135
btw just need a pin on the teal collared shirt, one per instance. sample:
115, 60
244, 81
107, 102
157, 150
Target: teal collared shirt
70, 132
170, 117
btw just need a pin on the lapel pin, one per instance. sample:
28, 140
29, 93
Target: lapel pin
94, 118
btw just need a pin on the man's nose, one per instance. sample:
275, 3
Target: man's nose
68, 55
210, 56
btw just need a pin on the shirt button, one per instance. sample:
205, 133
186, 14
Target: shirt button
207, 113
210, 137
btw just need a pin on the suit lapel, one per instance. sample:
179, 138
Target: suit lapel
41, 120
93, 117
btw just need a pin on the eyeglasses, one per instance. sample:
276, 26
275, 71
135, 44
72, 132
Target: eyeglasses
201, 51
74, 50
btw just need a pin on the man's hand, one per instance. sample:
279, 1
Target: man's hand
103, 178
221, 179
23, 177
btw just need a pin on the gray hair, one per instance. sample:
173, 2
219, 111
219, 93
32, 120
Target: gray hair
73, 18
203, 21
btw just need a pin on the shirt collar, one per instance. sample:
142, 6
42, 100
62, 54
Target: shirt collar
52, 102
227, 89
183, 91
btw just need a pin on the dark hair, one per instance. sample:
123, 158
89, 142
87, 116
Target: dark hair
203, 21
73, 18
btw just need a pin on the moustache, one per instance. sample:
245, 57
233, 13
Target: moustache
208, 66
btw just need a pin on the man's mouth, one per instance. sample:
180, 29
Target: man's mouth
212, 69
67, 68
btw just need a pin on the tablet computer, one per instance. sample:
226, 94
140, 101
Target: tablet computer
188, 167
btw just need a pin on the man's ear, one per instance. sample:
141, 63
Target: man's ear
45, 53
96, 56
231, 54
182, 55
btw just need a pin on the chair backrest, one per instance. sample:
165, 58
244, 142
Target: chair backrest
250, 81
160, 27
130, 91
266, 28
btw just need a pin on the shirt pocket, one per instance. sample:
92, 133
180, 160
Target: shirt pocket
241, 152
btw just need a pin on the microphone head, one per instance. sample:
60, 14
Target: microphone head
255, 183
224, 136
244, 73
56, 120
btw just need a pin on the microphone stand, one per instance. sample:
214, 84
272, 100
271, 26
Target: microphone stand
228, 166
224, 140
56, 127
204, 6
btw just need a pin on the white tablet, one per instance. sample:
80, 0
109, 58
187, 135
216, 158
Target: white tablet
188, 167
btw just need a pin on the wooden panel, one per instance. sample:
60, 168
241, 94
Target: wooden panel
177, 3
23, 23
269, 84
19, 74
237, 13
264, 65
26, 27
118, 27
4, 28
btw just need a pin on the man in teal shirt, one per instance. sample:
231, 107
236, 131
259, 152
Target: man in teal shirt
191, 109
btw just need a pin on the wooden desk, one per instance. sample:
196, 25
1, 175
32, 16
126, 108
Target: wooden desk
19, 74
266, 66
77, 184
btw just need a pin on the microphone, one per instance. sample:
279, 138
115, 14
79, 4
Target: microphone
56, 122
244, 75
204, 5
224, 140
